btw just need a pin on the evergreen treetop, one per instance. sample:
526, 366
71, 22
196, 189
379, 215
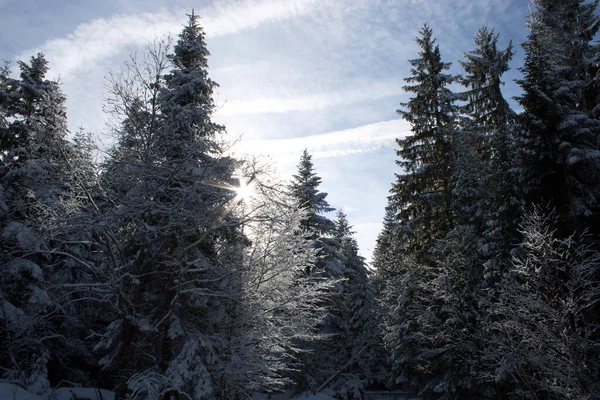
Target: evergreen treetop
186, 101
304, 188
421, 191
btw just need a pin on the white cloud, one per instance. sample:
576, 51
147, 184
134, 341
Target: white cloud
233, 17
361, 92
363, 154
103, 38
363, 139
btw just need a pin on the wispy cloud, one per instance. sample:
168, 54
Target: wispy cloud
102, 38
363, 139
227, 18
362, 91
363, 154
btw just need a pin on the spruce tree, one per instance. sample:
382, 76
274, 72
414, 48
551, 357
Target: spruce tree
490, 128
422, 189
42, 327
179, 244
561, 130
317, 358
304, 189
434, 199
9, 100
358, 342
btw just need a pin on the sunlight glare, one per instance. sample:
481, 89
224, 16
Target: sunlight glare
245, 191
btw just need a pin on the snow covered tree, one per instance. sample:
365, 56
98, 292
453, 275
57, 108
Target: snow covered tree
175, 267
347, 358
187, 91
317, 360
358, 342
540, 340
432, 319
384, 252
422, 196
388, 261
484, 67
561, 125
491, 127
422, 190
23, 285
36, 189
281, 305
452, 354
304, 189
9, 99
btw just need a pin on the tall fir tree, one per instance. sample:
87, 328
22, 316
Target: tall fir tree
386, 257
318, 361
422, 190
358, 342
491, 127
177, 268
561, 130
43, 328
429, 290
304, 189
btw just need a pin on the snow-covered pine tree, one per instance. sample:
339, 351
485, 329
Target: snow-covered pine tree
347, 358
389, 278
385, 249
318, 360
176, 272
9, 100
561, 129
540, 342
336, 361
484, 67
281, 306
39, 327
422, 189
492, 125
422, 199
304, 189
358, 342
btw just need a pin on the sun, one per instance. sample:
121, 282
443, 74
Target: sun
245, 190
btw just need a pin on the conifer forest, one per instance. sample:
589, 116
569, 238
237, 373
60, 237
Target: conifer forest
172, 269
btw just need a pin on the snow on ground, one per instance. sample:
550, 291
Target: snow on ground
9, 391
289, 396
82, 393
312, 396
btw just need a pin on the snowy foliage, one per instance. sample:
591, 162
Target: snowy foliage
476, 306
421, 191
173, 269
561, 136
304, 189
542, 342
349, 356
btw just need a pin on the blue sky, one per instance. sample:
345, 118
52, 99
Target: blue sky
322, 74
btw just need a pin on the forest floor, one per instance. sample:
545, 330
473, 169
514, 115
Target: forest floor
9, 391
